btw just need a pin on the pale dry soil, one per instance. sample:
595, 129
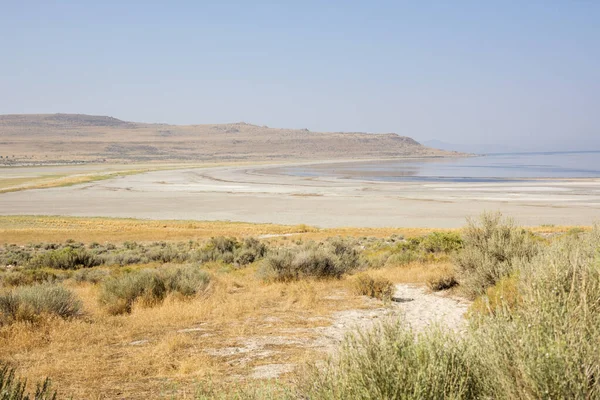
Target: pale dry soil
413, 305
257, 194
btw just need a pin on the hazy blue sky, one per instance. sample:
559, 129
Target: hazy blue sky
523, 73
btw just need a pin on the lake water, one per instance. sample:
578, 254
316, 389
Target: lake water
488, 168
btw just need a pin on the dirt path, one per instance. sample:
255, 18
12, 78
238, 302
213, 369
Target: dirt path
422, 309
412, 304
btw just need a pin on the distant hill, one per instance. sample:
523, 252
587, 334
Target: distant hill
49, 138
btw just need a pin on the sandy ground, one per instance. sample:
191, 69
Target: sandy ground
255, 194
413, 305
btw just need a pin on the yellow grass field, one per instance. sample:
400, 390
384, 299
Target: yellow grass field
29, 229
241, 324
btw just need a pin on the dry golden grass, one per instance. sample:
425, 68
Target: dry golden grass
415, 272
93, 357
96, 356
28, 229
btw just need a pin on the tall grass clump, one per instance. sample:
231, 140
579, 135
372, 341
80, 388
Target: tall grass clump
29, 303
150, 286
14, 388
493, 247
390, 362
317, 260
547, 345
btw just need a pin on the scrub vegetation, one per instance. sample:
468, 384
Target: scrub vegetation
177, 318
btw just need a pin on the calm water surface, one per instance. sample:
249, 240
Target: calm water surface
489, 168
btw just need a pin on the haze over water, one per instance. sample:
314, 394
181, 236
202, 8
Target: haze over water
488, 168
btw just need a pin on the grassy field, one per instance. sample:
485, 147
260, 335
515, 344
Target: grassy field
118, 308
180, 343
28, 229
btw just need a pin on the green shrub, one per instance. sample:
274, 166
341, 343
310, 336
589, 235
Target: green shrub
380, 288
278, 265
229, 250
28, 303
14, 255
536, 338
311, 260
315, 262
377, 260
441, 242
90, 275
346, 251
13, 388
493, 248
250, 251
120, 293
404, 258
66, 258
187, 281
218, 249
167, 254
391, 363
125, 257
436, 246
29, 277
547, 346
150, 286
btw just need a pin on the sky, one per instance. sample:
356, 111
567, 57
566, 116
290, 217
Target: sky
524, 74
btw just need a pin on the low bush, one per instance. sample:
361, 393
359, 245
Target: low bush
186, 281
534, 334
434, 247
120, 293
229, 250
14, 388
547, 346
311, 260
90, 275
250, 251
29, 277
14, 255
167, 254
29, 303
150, 286
380, 288
66, 258
493, 249
390, 362
403, 258
441, 242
